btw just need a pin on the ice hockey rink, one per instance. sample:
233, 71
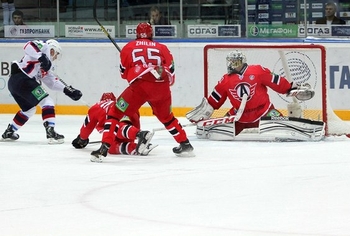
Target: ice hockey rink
229, 188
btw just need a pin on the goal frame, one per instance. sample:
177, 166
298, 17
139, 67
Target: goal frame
323, 70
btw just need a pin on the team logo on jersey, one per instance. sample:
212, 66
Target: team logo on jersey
241, 89
121, 104
39, 93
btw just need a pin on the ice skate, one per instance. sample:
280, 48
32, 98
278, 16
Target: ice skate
9, 134
144, 137
100, 154
185, 149
52, 136
149, 148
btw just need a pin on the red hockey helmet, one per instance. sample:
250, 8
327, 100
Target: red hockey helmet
108, 96
144, 31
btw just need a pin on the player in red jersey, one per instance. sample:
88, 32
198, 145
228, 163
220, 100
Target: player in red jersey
149, 68
96, 118
250, 80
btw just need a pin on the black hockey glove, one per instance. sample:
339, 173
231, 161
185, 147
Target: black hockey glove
80, 143
73, 93
45, 62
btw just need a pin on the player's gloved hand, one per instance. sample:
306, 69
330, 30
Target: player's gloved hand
73, 93
80, 143
45, 62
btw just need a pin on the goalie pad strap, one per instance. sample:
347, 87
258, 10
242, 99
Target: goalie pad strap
202, 112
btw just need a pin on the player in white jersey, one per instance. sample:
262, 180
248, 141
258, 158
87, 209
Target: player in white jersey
24, 84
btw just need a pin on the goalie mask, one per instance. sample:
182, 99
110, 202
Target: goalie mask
234, 60
108, 96
55, 46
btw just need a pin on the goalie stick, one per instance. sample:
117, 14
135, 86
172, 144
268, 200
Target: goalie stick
103, 28
302, 93
219, 120
225, 119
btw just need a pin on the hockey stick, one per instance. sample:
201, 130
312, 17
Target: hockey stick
102, 27
68, 87
219, 120
226, 119
163, 128
301, 93
95, 142
241, 108
286, 70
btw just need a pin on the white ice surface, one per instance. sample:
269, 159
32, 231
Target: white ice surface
229, 188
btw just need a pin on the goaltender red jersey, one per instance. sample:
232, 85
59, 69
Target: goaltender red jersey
254, 81
147, 60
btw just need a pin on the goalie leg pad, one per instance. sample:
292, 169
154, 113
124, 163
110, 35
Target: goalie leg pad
224, 132
202, 112
292, 129
221, 132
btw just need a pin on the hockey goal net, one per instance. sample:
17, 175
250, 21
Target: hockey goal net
303, 63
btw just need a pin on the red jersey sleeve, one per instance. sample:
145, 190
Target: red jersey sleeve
95, 118
277, 83
219, 94
90, 121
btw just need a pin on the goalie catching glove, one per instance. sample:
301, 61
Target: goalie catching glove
302, 92
73, 93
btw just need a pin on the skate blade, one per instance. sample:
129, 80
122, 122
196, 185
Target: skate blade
7, 140
96, 159
55, 141
147, 151
186, 154
143, 146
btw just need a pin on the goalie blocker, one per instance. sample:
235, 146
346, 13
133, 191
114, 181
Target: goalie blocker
270, 129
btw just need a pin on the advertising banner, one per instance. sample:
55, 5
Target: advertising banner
341, 30
272, 31
88, 31
159, 31
207, 31
314, 30
29, 31
294, 31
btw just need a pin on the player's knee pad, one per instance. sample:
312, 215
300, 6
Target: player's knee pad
294, 110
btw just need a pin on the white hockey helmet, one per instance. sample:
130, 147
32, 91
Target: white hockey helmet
235, 59
53, 44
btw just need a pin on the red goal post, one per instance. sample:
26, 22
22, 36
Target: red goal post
303, 63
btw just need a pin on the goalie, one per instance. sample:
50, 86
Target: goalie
246, 87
